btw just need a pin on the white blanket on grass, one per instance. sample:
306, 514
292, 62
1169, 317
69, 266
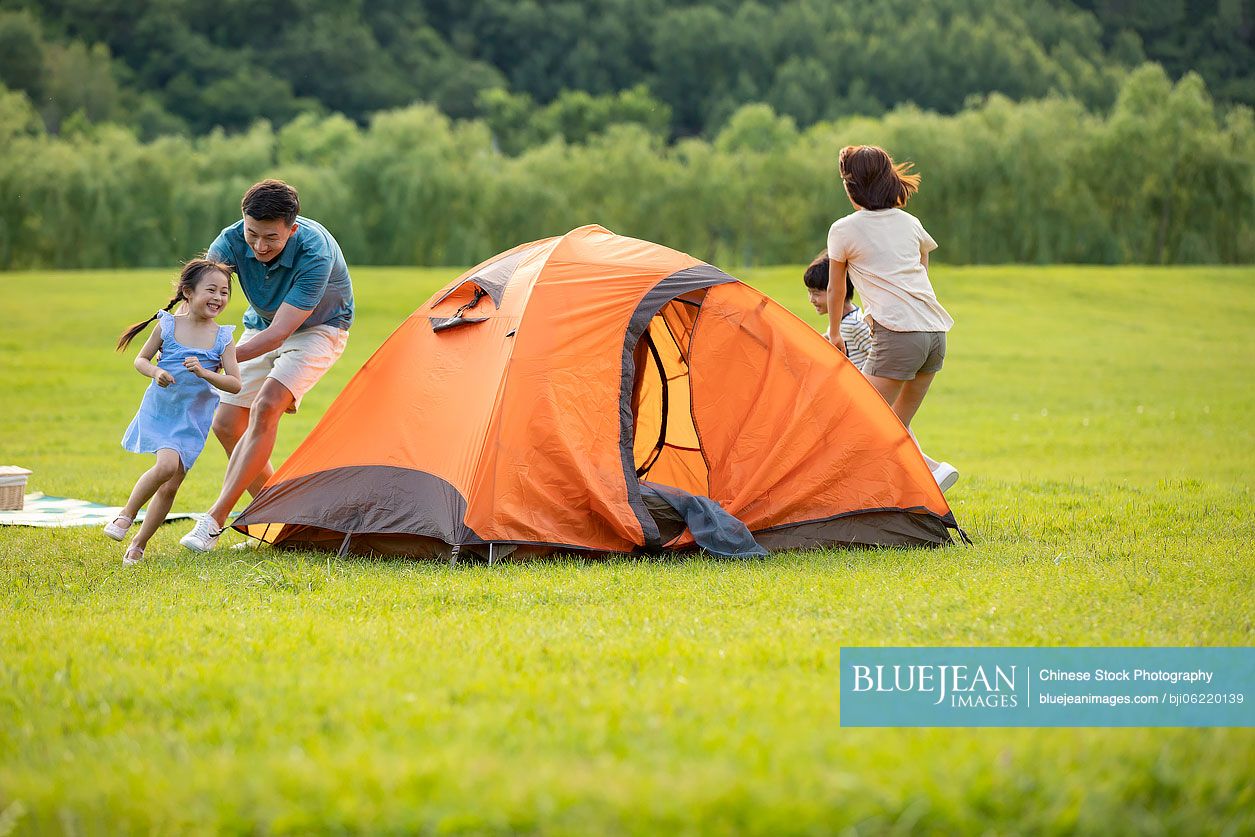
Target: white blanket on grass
56, 512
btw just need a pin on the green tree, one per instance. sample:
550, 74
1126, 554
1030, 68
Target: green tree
1166, 176
79, 79
510, 118
21, 53
757, 128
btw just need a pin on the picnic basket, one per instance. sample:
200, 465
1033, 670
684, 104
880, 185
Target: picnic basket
12, 487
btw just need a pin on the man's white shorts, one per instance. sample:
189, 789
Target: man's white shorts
298, 364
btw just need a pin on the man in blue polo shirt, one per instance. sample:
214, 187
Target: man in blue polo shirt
297, 324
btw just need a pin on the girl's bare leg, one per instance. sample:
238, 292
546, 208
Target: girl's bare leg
158, 508
168, 464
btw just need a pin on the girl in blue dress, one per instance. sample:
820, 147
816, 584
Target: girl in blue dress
178, 407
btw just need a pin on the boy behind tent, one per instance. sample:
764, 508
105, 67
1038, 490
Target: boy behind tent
855, 332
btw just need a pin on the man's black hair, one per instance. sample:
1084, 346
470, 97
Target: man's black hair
270, 200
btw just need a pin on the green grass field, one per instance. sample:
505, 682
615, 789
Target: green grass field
1102, 419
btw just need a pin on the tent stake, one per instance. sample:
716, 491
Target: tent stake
453, 556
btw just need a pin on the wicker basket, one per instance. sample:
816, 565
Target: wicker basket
12, 487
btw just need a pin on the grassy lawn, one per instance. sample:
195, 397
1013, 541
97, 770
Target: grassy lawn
1101, 418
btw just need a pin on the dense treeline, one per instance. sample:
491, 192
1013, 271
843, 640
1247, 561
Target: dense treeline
1214, 38
1164, 177
167, 66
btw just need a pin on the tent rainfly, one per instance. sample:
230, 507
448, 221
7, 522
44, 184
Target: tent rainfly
544, 401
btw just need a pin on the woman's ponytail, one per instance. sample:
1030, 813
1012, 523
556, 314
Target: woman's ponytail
873, 180
138, 329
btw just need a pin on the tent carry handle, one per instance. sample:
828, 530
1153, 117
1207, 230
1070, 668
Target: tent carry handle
459, 317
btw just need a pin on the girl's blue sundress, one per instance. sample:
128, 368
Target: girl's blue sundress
178, 417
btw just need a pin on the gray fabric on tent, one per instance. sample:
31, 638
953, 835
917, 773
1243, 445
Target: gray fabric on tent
713, 529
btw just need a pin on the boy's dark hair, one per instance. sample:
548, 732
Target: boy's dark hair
816, 276
270, 200
873, 180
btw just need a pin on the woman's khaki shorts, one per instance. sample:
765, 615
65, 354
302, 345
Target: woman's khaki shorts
298, 364
901, 355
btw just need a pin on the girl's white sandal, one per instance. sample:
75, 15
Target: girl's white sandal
133, 555
113, 530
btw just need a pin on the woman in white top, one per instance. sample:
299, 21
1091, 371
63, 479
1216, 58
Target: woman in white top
883, 251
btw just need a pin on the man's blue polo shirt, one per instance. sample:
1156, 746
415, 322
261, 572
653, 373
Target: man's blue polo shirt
310, 273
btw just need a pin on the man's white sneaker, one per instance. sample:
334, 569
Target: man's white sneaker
117, 527
946, 476
204, 536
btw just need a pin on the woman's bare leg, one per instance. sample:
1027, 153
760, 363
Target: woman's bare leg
905, 397
928, 460
912, 395
888, 388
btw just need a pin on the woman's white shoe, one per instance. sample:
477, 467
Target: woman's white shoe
946, 476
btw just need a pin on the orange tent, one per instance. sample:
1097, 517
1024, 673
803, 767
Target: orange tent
518, 409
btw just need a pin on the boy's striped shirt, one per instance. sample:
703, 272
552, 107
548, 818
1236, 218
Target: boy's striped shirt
857, 336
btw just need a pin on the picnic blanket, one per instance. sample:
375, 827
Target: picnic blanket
56, 512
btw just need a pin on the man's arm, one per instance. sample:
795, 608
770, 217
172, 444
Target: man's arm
286, 321
307, 291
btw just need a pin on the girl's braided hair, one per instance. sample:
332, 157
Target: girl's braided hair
184, 287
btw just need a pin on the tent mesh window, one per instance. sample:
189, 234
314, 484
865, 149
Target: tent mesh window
667, 448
